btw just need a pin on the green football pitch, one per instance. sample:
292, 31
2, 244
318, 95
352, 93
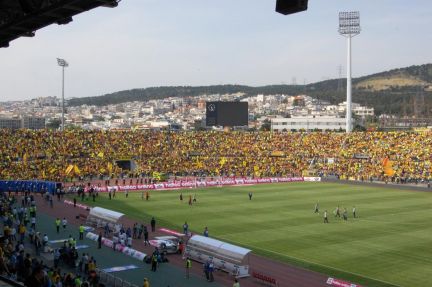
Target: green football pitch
389, 244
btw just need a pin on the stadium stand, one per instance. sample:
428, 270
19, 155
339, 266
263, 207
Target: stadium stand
20, 263
80, 154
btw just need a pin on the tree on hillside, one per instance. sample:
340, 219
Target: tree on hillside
54, 124
266, 126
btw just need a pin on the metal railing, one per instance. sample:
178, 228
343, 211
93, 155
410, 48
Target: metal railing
112, 281
10, 281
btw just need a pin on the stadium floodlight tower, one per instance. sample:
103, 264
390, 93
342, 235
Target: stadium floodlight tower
62, 63
349, 26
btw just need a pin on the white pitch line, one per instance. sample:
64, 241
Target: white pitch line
395, 222
326, 266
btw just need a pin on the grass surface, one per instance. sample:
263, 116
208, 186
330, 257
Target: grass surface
390, 244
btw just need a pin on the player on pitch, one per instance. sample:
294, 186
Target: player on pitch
316, 208
337, 212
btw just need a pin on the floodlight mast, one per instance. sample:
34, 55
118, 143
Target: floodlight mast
62, 63
349, 26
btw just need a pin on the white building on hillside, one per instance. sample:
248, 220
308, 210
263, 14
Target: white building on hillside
357, 109
308, 123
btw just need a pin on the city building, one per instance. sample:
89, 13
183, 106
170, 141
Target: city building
308, 123
357, 109
33, 123
10, 123
181, 112
26, 122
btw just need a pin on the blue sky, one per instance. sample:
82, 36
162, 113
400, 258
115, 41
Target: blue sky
144, 43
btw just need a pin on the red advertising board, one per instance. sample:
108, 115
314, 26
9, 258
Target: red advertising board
199, 183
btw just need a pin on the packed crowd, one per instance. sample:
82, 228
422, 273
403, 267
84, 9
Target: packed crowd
21, 239
27, 154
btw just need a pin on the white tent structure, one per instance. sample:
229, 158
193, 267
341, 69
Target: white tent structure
99, 216
230, 258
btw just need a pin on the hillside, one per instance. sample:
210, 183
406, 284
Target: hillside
387, 91
386, 83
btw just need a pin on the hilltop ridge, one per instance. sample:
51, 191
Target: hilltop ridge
386, 91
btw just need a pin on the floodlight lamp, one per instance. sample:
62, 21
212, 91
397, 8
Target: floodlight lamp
349, 23
62, 62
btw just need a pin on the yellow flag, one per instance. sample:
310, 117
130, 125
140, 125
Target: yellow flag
76, 170
100, 154
199, 164
69, 169
110, 167
388, 167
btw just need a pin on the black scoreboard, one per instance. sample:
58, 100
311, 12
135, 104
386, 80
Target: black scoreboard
227, 114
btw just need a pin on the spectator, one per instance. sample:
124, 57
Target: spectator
81, 232
355, 155
99, 240
153, 224
37, 278
185, 228
64, 223
146, 236
206, 270
56, 257
154, 262
210, 271
188, 267
3, 266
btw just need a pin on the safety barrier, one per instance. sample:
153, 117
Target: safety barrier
27, 185
8, 281
112, 281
